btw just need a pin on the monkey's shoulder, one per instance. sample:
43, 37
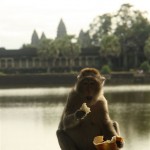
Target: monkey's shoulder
101, 97
101, 100
100, 105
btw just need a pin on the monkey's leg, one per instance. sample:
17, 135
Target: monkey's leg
64, 141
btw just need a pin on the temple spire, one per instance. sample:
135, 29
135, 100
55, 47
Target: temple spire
34, 38
61, 30
43, 36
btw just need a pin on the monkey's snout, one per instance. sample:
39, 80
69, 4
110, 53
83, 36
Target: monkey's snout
89, 98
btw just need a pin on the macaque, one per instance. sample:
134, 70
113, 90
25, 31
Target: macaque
86, 114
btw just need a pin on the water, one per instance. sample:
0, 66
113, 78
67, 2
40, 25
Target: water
29, 116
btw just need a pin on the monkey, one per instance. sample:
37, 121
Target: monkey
77, 129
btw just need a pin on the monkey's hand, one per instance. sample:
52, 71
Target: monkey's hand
80, 114
120, 144
85, 108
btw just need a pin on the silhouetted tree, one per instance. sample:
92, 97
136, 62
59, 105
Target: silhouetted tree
68, 47
132, 29
47, 50
101, 26
147, 48
110, 47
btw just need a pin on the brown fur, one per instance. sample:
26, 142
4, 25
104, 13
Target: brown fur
76, 129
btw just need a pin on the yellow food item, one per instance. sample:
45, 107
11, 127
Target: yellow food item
100, 144
98, 140
85, 108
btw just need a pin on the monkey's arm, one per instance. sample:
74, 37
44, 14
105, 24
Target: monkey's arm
72, 115
74, 119
107, 124
110, 128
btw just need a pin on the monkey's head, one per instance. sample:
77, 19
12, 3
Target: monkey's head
89, 84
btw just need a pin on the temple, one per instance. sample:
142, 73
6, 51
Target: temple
27, 60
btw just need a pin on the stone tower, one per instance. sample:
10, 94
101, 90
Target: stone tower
61, 30
34, 38
43, 36
84, 39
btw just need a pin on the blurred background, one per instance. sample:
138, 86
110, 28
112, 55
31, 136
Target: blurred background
44, 44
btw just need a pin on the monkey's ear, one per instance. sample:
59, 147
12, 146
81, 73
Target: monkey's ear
103, 78
78, 76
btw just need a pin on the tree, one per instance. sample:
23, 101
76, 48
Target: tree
132, 28
48, 49
145, 66
147, 48
65, 46
110, 46
123, 30
139, 34
68, 47
101, 25
28, 46
105, 69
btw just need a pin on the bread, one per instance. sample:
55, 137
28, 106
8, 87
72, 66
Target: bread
85, 108
100, 144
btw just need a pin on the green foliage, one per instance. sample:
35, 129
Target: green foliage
147, 48
67, 46
2, 74
123, 32
47, 48
145, 66
28, 46
132, 28
105, 69
101, 25
73, 72
110, 45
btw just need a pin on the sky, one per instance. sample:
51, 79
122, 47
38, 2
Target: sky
19, 18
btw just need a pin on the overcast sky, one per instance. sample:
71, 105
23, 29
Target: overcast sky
18, 18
